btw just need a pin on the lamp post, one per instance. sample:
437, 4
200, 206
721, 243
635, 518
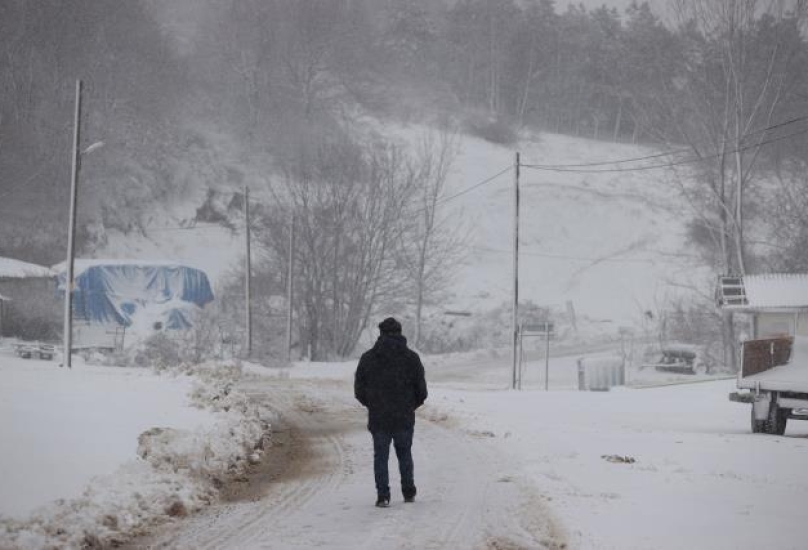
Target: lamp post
71, 228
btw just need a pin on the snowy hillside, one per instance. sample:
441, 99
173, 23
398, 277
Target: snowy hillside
611, 243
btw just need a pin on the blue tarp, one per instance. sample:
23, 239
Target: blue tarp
116, 292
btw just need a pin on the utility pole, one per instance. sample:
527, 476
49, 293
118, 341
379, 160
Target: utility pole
547, 328
247, 269
290, 286
515, 321
71, 231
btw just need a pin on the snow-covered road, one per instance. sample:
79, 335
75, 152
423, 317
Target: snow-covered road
470, 494
503, 469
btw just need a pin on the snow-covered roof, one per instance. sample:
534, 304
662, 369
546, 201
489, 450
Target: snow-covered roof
768, 291
16, 269
80, 265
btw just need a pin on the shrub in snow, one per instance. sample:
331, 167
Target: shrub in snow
693, 321
34, 312
158, 351
490, 128
177, 473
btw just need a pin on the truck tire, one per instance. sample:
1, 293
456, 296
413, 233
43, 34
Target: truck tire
758, 426
776, 421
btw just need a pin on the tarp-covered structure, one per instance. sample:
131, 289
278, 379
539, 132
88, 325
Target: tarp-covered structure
128, 292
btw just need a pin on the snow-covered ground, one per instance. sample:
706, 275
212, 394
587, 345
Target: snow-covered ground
673, 466
62, 427
94, 453
694, 475
699, 478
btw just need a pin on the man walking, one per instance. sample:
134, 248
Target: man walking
390, 382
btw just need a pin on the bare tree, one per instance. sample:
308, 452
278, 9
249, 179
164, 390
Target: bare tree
736, 74
432, 243
738, 90
349, 203
787, 208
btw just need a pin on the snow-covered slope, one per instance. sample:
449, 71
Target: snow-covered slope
611, 243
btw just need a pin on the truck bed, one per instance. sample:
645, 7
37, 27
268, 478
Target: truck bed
792, 377
790, 373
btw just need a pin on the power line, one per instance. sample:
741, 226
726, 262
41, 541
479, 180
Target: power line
443, 199
578, 258
609, 162
475, 186
775, 126
665, 165
565, 257
663, 154
582, 167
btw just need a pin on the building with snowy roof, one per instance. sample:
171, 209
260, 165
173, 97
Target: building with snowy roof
29, 308
776, 302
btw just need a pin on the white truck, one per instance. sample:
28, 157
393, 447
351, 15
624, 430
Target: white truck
774, 362
775, 373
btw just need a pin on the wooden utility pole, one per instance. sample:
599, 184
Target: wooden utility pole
290, 286
71, 232
247, 270
515, 321
547, 328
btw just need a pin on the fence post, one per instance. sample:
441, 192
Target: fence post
581, 374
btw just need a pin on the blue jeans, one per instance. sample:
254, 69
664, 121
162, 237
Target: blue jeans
402, 442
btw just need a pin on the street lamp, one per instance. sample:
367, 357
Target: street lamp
71, 230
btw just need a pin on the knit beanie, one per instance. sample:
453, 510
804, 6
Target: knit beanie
390, 326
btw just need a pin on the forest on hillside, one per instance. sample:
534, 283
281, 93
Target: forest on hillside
192, 96
229, 87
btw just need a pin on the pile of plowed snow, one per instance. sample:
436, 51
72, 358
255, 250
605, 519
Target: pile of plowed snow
177, 471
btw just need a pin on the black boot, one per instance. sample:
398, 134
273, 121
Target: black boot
409, 494
383, 501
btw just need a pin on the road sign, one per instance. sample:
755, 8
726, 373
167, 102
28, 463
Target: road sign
539, 328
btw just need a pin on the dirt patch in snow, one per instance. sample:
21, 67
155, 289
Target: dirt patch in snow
285, 457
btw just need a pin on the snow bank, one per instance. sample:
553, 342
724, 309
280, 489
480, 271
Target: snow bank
16, 269
665, 468
177, 472
60, 427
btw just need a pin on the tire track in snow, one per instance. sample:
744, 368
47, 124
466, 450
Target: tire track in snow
324, 497
315, 458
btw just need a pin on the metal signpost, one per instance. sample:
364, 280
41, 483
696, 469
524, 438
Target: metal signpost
545, 329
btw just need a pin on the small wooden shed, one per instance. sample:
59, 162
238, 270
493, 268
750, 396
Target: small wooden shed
27, 298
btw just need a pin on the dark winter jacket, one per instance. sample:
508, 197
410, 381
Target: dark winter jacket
390, 382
